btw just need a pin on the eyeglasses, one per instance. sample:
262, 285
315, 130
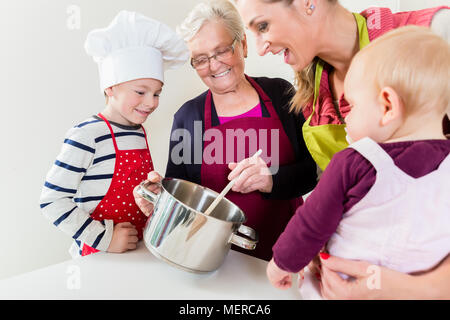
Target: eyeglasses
222, 55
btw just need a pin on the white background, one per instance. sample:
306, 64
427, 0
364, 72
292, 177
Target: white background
48, 84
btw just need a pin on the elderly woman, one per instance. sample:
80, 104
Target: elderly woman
319, 39
239, 114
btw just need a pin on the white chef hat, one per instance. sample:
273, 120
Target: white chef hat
134, 47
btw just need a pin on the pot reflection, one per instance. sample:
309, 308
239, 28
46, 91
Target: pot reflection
179, 233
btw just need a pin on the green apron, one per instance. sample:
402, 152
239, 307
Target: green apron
323, 141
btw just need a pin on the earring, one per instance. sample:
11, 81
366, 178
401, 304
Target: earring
310, 9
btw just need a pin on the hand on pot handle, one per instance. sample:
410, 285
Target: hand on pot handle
153, 180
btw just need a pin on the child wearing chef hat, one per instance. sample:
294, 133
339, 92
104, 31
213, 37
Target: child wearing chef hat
88, 192
385, 198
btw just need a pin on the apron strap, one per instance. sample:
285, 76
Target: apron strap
208, 111
145, 135
111, 130
317, 79
364, 40
445, 164
363, 31
373, 152
113, 136
267, 101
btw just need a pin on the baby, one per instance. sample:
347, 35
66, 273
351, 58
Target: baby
384, 199
88, 192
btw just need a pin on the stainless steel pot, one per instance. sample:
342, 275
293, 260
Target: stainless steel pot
179, 233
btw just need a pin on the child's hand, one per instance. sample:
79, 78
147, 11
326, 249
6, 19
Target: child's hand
124, 238
278, 278
147, 207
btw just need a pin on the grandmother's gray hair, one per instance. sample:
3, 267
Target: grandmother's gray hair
210, 11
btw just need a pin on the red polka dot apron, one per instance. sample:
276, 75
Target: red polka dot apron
131, 167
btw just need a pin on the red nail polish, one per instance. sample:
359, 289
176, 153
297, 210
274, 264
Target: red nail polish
324, 255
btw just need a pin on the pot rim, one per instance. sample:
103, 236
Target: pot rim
199, 212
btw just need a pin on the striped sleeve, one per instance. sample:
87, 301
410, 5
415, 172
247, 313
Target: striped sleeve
61, 190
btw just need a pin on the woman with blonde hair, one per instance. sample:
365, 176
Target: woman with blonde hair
319, 39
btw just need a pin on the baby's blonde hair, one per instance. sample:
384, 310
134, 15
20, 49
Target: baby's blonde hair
413, 61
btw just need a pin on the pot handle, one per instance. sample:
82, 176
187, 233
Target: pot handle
146, 194
245, 243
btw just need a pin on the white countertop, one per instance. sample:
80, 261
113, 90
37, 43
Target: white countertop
139, 275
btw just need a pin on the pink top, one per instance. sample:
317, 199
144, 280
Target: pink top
255, 112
